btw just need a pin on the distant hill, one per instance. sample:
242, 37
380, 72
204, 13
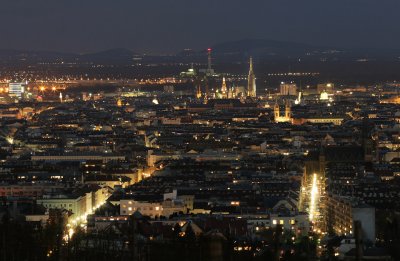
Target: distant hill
264, 46
226, 52
118, 55
272, 49
112, 56
15, 56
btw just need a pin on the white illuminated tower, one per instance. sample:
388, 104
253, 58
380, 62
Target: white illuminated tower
224, 89
251, 85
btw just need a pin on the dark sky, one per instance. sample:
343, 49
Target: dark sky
159, 26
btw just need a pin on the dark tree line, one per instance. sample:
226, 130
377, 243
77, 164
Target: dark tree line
20, 241
25, 241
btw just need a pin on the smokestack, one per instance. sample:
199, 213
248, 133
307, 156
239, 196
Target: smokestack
209, 59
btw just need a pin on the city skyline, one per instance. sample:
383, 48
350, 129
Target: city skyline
199, 130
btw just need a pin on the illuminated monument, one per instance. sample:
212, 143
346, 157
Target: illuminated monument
198, 91
224, 89
287, 117
251, 85
16, 89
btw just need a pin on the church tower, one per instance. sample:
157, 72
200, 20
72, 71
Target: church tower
224, 89
276, 110
287, 117
288, 110
251, 85
119, 102
230, 93
198, 91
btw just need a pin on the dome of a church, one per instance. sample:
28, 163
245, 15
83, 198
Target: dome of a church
324, 96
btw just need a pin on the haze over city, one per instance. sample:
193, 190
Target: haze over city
158, 26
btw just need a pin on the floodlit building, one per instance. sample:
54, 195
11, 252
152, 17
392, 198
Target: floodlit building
16, 89
326, 87
288, 89
79, 203
342, 212
284, 116
224, 89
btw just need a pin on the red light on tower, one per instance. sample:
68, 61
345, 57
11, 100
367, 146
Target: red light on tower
209, 60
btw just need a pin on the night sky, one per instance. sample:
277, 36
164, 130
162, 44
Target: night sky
160, 26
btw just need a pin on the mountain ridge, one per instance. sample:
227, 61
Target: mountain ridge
229, 50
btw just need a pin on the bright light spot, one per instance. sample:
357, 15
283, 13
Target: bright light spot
314, 197
10, 140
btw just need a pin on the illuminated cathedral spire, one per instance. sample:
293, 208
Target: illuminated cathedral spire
198, 91
251, 85
279, 117
224, 89
197, 83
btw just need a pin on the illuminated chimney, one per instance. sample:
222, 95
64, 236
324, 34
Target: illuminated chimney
209, 59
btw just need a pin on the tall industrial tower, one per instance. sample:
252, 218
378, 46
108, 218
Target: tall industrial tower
251, 85
209, 60
209, 71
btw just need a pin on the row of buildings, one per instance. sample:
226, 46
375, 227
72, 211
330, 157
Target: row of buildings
241, 168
